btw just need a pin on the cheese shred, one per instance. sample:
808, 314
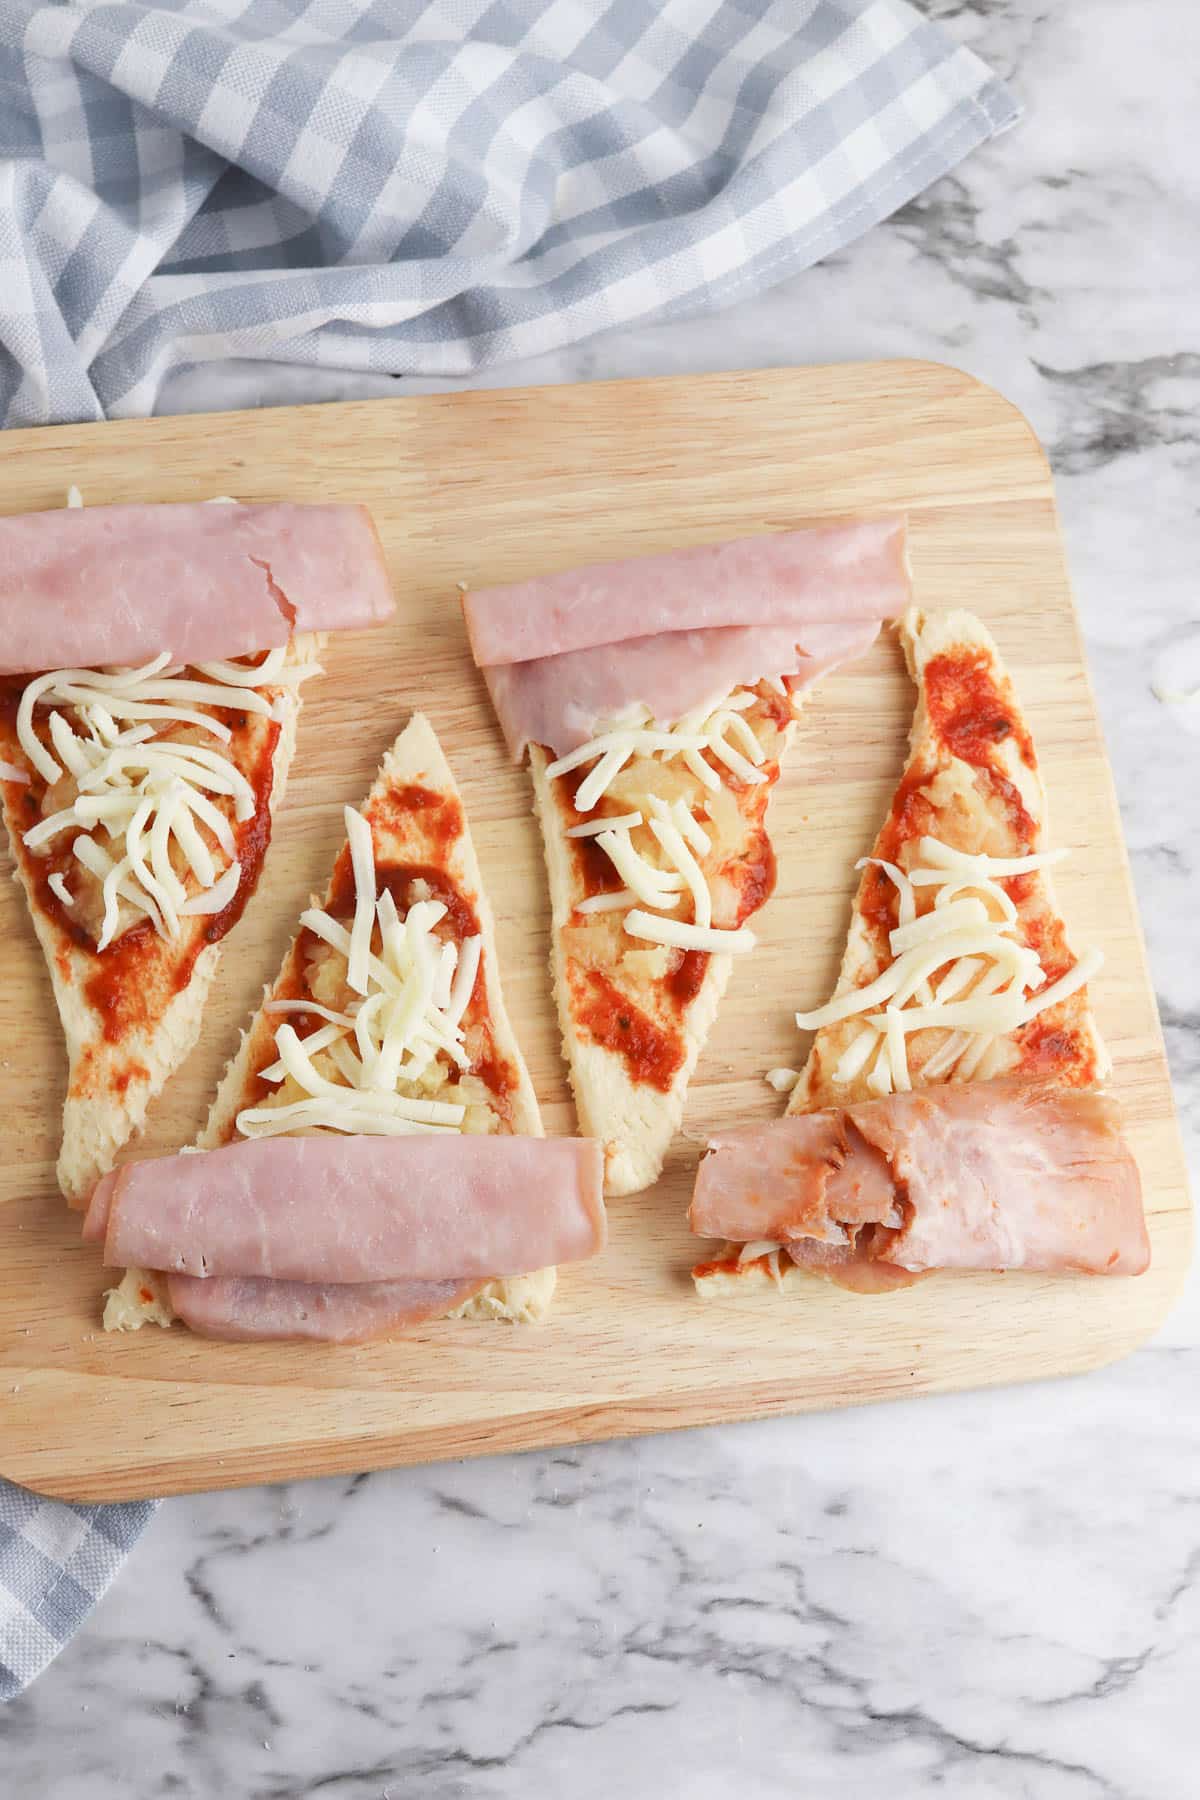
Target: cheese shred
411, 1000
713, 737
989, 984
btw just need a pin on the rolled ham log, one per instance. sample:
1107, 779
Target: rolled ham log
558, 701
432, 1207
88, 586
848, 573
245, 1309
673, 632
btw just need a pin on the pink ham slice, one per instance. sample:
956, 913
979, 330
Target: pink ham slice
853, 573
243, 1309
983, 1175
95, 585
559, 700
430, 1207
807, 1176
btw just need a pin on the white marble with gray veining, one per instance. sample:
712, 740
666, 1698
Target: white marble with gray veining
986, 1597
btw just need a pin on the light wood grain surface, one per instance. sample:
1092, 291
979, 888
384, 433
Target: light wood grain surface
487, 487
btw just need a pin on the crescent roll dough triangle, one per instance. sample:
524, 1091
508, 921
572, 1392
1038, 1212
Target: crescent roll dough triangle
422, 849
131, 1012
636, 1014
972, 783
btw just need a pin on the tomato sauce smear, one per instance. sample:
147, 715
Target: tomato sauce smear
651, 1053
969, 712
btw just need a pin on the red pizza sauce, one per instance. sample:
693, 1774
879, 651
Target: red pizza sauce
972, 719
753, 874
877, 902
687, 977
650, 1053
1047, 935
497, 1073
1057, 1050
913, 815
594, 869
968, 712
437, 818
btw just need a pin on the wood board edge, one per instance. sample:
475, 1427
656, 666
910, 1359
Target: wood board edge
579, 1423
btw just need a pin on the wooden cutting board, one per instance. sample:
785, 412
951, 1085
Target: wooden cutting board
487, 487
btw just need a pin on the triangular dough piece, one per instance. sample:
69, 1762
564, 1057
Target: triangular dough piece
423, 850
635, 1015
131, 1012
638, 688
972, 782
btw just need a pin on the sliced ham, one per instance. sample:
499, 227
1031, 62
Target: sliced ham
850, 1265
89, 586
429, 1207
844, 574
243, 1309
981, 1175
558, 701
808, 1175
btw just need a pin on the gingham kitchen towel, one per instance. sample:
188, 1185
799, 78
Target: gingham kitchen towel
55, 1562
415, 188
432, 187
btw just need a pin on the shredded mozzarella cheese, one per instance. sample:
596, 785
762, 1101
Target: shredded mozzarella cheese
856, 1056
311, 1006
649, 889
707, 728
619, 901
593, 827
761, 1247
1087, 966
986, 992
680, 936
150, 791
413, 996
664, 827
658, 888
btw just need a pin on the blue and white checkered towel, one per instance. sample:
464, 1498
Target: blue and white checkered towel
414, 186
55, 1562
429, 186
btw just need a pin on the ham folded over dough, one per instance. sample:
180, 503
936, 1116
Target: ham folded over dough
427, 1208
243, 1309
843, 574
89, 586
975, 1175
558, 701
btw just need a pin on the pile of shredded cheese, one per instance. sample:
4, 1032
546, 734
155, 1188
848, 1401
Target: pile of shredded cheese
411, 993
985, 979
151, 794
651, 891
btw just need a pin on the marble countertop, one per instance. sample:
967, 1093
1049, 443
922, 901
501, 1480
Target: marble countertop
987, 1596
